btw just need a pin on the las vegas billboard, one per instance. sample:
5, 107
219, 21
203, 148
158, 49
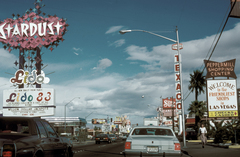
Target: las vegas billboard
222, 98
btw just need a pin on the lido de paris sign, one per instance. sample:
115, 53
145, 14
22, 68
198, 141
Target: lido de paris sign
29, 33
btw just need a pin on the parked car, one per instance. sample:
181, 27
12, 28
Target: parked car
152, 141
103, 138
31, 137
113, 137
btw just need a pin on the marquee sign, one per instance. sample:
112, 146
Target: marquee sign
29, 33
222, 98
220, 69
28, 102
32, 30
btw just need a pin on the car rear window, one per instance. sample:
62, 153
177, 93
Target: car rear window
14, 126
101, 135
152, 131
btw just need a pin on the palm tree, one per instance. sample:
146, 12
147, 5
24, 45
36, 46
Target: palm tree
197, 84
198, 108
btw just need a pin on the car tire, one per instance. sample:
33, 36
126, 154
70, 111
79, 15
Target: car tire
69, 153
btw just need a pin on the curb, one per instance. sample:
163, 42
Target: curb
199, 141
221, 145
234, 146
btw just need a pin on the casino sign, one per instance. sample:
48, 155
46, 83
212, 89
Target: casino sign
32, 30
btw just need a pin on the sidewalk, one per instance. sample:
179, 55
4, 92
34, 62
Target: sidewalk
195, 149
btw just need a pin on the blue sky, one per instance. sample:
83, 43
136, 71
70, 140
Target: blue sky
110, 71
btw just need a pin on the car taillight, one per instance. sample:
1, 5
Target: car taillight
177, 146
8, 150
7, 154
128, 145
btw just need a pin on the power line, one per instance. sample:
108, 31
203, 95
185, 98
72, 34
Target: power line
216, 42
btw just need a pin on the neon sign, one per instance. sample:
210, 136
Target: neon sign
24, 77
32, 30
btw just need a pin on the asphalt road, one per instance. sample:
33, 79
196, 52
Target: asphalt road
99, 150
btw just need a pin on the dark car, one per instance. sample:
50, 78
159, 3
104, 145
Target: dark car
31, 137
103, 138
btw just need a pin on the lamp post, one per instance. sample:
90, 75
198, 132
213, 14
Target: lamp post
180, 70
65, 108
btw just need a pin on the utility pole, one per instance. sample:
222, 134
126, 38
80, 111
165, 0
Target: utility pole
172, 115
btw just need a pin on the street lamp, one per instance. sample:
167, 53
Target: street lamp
89, 115
180, 70
65, 113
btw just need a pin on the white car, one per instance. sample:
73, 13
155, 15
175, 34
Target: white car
89, 136
152, 141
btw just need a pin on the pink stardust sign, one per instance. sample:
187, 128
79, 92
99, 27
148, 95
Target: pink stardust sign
31, 31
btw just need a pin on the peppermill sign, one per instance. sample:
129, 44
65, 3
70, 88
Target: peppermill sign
221, 93
220, 69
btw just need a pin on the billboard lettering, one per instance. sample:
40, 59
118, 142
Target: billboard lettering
167, 103
41, 31
222, 98
28, 102
220, 69
99, 121
24, 77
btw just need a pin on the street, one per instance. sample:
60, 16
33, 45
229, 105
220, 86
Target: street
89, 148
100, 150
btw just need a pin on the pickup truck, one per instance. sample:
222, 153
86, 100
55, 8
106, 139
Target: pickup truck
31, 137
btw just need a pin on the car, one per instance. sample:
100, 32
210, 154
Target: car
113, 137
124, 136
103, 138
152, 141
31, 137
89, 136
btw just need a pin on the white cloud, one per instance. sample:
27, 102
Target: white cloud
118, 43
103, 64
113, 29
76, 53
115, 95
77, 49
193, 52
7, 59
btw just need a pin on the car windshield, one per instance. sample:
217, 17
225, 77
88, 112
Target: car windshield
14, 126
152, 131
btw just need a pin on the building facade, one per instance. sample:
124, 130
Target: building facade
74, 125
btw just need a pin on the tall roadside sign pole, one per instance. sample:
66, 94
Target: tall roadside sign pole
178, 70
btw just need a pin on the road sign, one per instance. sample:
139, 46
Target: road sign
174, 46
